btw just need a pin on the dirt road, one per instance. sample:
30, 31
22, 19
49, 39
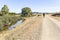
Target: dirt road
50, 30
35, 28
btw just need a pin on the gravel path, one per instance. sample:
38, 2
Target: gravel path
35, 28
50, 30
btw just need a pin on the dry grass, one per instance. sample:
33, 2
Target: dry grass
56, 17
26, 30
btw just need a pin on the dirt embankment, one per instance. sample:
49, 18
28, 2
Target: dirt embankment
55, 17
27, 29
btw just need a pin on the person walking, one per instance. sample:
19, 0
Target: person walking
43, 15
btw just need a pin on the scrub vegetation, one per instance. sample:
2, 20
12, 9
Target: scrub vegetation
9, 18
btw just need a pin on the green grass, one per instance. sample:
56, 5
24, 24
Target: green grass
7, 20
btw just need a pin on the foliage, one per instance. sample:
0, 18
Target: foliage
26, 12
39, 15
4, 10
12, 13
11, 18
7, 20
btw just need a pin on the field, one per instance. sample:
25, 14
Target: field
55, 17
7, 20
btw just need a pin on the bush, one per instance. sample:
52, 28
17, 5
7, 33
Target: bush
26, 12
8, 20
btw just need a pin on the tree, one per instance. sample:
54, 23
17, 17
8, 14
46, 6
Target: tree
0, 13
5, 9
12, 13
26, 12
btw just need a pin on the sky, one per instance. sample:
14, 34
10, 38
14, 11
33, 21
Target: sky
35, 5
